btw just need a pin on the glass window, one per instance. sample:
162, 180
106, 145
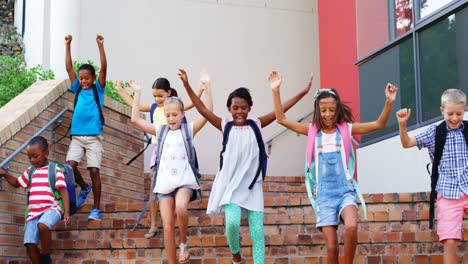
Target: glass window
443, 60
427, 7
403, 16
396, 65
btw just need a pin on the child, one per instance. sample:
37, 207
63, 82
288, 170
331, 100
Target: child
161, 90
335, 192
231, 190
452, 183
176, 179
86, 124
43, 207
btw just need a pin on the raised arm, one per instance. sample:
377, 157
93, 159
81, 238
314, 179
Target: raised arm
201, 120
202, 109
9, 178
136, 119
403, 116
189, 105
381, 122
102, 56
128, 99
68, 59
275, 83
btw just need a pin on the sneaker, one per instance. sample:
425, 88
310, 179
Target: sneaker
45, 259
81, 199
95, 215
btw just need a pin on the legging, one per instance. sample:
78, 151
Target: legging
255, 219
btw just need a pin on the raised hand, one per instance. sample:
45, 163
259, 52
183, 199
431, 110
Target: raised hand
183, 76
68, 39
134, 85
99, 39
390, 92
275, 80
309, 84
403, 115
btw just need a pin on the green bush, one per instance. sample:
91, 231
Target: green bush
110, 90
15, 77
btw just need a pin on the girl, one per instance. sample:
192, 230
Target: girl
176, 180
336, 195
161, 90
232, 188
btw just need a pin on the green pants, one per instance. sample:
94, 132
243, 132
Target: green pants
255, 219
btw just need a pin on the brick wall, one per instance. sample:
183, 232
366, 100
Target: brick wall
396, 232
30, 111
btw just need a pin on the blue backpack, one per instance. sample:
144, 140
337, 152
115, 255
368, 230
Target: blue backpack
261, 146
69, 180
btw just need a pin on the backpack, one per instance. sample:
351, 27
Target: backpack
311, 178
440, 137
69, 180
192, 158
261, 146
98, 103
149, 139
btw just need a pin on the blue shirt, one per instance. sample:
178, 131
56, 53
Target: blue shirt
453, 167
86, 120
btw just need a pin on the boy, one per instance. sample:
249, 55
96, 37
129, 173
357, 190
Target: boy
87, 122
43, 207
452, 184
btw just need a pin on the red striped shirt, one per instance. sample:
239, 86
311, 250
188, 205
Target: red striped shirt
40, 196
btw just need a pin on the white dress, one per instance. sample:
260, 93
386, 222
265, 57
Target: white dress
174, 168
240, 164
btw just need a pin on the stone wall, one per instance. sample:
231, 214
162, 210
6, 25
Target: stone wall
11, 43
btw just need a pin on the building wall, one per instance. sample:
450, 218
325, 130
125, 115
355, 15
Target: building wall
237, 42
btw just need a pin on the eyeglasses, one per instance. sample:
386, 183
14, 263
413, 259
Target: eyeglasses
174, 99
322, 91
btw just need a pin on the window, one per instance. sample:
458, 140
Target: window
443, 60
396, 65
439, 61
427, 7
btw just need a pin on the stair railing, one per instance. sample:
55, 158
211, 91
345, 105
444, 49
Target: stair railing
57, 120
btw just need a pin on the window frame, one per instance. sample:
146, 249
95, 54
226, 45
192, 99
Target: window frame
419, 25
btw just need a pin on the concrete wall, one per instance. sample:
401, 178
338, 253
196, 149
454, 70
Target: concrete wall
237, 42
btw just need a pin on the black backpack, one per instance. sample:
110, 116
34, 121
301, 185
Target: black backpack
262, 155
440, 137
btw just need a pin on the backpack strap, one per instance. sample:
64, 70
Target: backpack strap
262, 153
440, 137
227, 130
189, 147
152, 109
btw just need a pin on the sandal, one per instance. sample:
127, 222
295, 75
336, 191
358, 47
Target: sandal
183, 249
151, 234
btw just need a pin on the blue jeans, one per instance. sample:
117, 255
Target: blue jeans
31, 232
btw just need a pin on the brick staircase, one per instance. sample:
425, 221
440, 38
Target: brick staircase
396, 231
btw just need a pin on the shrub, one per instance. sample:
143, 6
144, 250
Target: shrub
15, 77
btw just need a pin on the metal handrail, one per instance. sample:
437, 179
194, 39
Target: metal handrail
56, 119
284, 130
58, 122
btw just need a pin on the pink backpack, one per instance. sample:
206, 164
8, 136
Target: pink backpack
311, 178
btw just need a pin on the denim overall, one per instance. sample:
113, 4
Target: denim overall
334, 190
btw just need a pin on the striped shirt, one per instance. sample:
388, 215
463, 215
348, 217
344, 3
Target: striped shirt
453, 167
40, 196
